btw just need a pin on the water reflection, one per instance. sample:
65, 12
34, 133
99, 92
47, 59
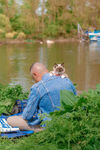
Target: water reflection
82, 62
94, 46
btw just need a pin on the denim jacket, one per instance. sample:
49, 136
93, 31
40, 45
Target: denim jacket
45, 96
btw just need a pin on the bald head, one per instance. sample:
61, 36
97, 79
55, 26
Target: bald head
37, 71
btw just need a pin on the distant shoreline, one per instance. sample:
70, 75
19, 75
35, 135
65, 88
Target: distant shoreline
30, 41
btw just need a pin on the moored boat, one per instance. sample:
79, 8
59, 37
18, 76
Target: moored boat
94, 36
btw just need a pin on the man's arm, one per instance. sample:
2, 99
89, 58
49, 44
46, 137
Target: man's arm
32, 104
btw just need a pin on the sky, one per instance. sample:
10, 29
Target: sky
19, 1
39, 9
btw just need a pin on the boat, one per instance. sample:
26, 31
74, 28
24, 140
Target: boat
82, 35
94, 36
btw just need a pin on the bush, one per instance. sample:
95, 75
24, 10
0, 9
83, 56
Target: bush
16, 23
21, 35
1, 31
4, 23
10, 35
8, 96
52, 30
2, 34
75, 127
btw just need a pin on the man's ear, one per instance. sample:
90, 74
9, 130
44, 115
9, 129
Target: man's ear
62, 64
34, 74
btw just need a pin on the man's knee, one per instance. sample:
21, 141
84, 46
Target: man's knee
9, 120
13, 121
18, 121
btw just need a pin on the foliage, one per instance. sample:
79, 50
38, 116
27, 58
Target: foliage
2, 33
8, 96
52, 30
21, 35
76, 126
10, 35
48, 18
16, 23
4, 23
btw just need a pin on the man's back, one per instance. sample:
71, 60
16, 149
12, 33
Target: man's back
48, 91
44, 97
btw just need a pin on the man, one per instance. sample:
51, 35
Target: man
44, 97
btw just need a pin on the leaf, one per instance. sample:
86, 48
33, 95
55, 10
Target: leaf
67, 99
98, 87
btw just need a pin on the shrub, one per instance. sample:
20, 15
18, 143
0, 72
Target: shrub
16, 23
8, 96
21, 35
1, 31
9, 35
52, 30
76, 125
5, 23
2, 34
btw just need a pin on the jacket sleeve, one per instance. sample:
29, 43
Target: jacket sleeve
32, 105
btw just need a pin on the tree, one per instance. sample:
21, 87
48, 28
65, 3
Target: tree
29, 18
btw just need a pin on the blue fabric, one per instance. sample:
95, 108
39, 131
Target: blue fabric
16, 133
45, 96
21, 104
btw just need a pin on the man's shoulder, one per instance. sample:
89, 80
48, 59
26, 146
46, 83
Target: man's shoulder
36, 85
45, 79
68, 80
48, 78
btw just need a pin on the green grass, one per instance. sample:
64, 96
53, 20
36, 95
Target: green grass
75, 127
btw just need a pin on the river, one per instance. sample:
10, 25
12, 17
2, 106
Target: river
82, 62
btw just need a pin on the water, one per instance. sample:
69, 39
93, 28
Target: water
82, 62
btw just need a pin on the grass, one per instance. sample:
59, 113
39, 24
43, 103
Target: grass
75, 127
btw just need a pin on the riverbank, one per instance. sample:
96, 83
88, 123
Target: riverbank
30, 41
